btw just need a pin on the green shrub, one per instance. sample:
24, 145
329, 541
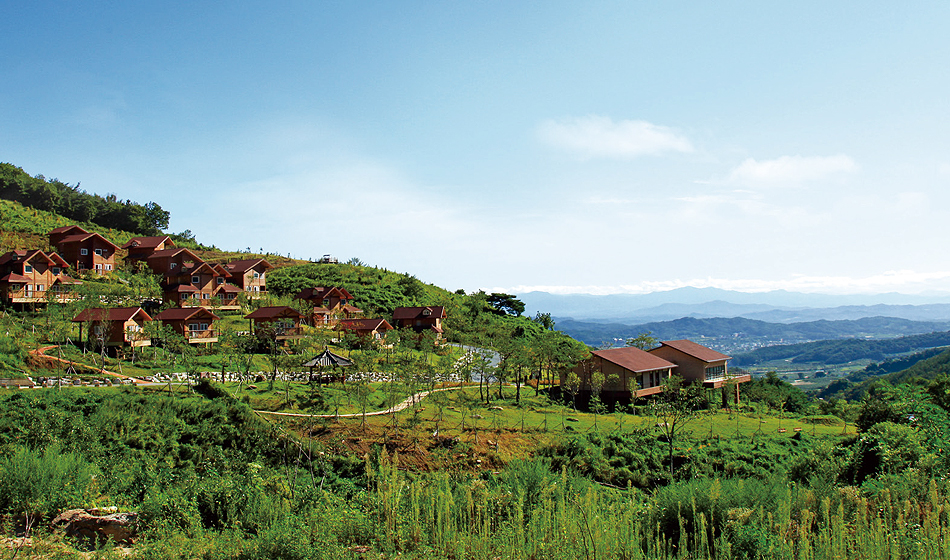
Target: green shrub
43, 483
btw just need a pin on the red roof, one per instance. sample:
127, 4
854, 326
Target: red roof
402, 313
114, 314
64, 229
80, 237
633, 359
64, 279
181, 288
14, 278
365, 324
697, 351
321, 293
274, 312
185, 313
150, 242
229, 289
242, 266
172, 252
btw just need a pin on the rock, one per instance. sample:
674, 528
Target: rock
120, 527
496, 408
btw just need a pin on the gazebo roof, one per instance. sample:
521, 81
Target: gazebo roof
328, 359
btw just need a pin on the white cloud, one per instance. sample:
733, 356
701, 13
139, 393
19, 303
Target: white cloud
792, 169
600, 137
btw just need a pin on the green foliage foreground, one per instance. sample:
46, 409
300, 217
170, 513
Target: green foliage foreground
210, 479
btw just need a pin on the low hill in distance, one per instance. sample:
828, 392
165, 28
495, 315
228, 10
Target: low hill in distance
738, 334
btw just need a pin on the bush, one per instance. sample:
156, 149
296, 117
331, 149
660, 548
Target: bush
44, 483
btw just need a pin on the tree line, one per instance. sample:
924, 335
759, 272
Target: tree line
76, 204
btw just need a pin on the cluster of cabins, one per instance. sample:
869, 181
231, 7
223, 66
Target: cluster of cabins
631, 372
125, 327
193, 285
27, 276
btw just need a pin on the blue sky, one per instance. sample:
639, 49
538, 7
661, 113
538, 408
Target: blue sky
594, 147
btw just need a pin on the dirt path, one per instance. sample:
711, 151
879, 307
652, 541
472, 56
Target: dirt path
41, 352
399, 407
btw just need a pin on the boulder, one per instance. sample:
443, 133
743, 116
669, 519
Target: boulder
120, 527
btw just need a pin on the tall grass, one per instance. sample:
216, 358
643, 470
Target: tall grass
528, 512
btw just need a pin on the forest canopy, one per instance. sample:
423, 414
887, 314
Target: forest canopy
76, 204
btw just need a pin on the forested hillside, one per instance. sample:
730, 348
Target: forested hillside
842, 351
76, 204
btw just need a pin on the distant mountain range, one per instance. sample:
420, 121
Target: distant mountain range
740, 334
776, 306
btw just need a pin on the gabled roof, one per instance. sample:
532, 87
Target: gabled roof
242, 266
173, 252
64, 279
180, 288
82, 237
221, 270
633, 359
402, 313
113, 314
352, 309
58, 260
229, 289
365, 324
185, 313
51, 258
14, 278
321, 293
150, 242
697, 351
199, 266
67, 229
273, 312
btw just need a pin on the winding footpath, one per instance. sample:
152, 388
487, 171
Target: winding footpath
42, 350
414, 399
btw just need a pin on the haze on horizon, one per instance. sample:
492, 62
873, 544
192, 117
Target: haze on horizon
603, 147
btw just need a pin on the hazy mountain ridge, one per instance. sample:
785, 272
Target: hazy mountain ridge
777, 306
738, 333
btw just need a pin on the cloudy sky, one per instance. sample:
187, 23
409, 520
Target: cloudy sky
594, 147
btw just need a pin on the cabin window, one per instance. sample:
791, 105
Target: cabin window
84, 251
171, 266
99, 252
40, 287
195, 279
220, 280
204, 326
56, 270
27, 269
108, 267
192, 326
256, 275
204, 296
